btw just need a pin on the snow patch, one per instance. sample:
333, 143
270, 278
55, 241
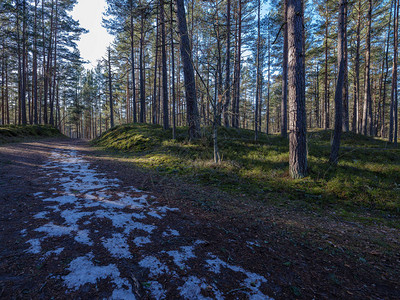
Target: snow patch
83, 271
141, 240
117, 246
155, 267
252, 282
193, 287
35, 247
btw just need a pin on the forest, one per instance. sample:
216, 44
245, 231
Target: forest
207, 63
219, 149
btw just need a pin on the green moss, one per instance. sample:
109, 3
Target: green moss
15, 133
366, 178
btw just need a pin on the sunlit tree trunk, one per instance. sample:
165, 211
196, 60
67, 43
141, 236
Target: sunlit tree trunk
296, 86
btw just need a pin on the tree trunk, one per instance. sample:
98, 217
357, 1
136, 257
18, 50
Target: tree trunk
346, 125
173, 73
133, 63
339, 95
258, 85
142, 117
392, 138
284, 72
164, 67
326, 99
228, 65
296, 86
385, 64
35, 69
356, 95
154, 109
367, 92
269, 82
110, 89
188, 71
236, 101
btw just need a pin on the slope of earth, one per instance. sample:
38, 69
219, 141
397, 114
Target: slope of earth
76, 224
363, 187
18, 133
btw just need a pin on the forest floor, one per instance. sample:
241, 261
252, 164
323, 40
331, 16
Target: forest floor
79, 223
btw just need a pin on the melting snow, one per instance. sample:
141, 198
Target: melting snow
192, 289
117, 246
85, 196
154, 265
141, 240
83, 271
35, 246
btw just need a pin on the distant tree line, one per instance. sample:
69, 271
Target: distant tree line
270, 66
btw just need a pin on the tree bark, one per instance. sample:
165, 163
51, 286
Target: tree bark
326, 95
188, 71
296, 86
340, 86
346, 125
228, 65
173, 73
258, 83
164, 68
367, 113
133, 63
110, 89
284, 72
142, 117
393, 103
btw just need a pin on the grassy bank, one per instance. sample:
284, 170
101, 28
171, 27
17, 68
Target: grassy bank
17, 133
365, 185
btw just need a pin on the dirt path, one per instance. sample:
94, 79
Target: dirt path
80, 233
74, 225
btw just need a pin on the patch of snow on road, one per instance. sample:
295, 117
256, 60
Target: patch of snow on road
117, 246
35, 247
156, 290
155, 267
141, 240
185, 253
252, 282
193, 287
170, 232
41, 215
83, 271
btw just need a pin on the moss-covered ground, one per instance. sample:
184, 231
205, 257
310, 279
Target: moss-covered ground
17, 133
365, 186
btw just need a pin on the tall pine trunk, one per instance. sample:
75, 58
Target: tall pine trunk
173, 73
228, 65
339, 95
367, 107
142, 117
284, 72
164, 68
188, 71
110, 90
296, 86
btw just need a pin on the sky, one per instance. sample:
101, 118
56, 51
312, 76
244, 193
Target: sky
92, 45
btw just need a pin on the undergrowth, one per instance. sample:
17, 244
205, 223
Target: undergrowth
367, 178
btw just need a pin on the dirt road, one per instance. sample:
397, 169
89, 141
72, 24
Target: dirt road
74, 225
71, 231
